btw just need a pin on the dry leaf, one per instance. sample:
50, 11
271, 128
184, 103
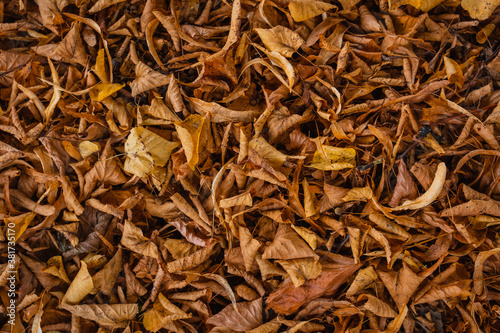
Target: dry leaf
80, 287
145, 151
280, 39
333, 158
302, 10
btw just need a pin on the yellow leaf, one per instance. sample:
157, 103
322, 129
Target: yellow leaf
103, 90
302, 10
145, 151
301, 270
21, 222
432, 193
363, 279
480, 9
100, 66
281, 40
81, 286
432, 143
453, 71
267, 151
358, 194
309, 236
87, 148
310, 203
423, 5
189, 133
244, 199
333, 158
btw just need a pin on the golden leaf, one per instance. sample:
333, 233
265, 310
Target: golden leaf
333, 158
480, 9
55, 267
281, 40
21, 222
189, 133
87, 148
103, 90
301, 270
302, 10
81, 286
145, 151
453, 71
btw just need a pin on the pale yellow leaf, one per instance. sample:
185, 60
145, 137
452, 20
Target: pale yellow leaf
145, 151
301, 270
358, 194
281, 40
480, 9
87, 148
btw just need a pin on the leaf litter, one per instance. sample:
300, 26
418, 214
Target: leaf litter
250, 166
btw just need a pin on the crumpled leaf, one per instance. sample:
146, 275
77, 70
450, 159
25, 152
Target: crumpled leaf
430, 195
288, 299
145, 151
189, 133
134, 240
162, 314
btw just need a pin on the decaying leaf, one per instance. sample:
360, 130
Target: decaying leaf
250, 166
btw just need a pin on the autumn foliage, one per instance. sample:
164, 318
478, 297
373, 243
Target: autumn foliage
250, 165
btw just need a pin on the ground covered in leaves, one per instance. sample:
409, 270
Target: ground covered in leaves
249, 166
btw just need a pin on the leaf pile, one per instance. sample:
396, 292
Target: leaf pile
251, 165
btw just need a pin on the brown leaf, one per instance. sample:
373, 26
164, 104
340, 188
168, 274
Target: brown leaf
134, 240
108, 315
288, 245
247, 317
288, 299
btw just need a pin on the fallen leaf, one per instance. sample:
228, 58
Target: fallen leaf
302, 10
280, 39
145, 151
